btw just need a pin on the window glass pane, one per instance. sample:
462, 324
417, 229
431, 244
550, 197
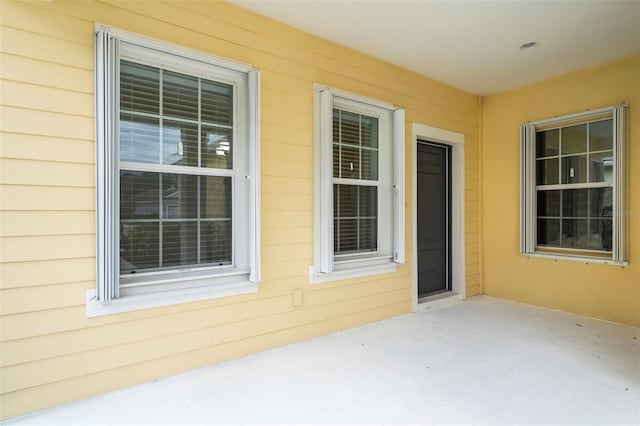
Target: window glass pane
356, 218
574, 139
217, 148
179, 143
139, 88
349, 128
547, 172
350, 162
217, 103
601, 135
139, 246
547, 143
215, 197
601, 234
345, 201
139, 195
549, 203
179, 95
369, 164
574, 169
575, 202
369, 131
346, 239
139, 139
215, 241
140, 202
179, 196
336, 160
548, 231
368, 204
574, 233
179, 243
586, 219
601, 167
336, 141
601, 202
355, 153
368, 235
579, 160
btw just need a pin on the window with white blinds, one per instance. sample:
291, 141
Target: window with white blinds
359, 186
355, 183
177, 168
173, 217
573, 186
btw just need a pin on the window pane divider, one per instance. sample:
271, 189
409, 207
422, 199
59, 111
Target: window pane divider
353, 145
179, 219
358, 217
573, 154
361, 182
177, 119
169, 168
585, 185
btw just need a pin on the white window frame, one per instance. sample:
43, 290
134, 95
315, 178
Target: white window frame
328, 267
116, 293
528, 208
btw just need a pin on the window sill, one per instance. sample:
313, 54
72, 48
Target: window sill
345, 274
581, 259
165, 298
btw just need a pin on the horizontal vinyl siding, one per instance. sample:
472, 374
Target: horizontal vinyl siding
46, 148
48, 74
47, 199
91, 384
51, 352
30, 96
51, 271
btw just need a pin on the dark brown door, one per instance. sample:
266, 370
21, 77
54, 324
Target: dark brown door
434, 218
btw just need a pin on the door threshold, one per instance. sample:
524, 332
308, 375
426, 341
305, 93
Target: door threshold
436, 300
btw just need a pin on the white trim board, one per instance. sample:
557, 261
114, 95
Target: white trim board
456, 142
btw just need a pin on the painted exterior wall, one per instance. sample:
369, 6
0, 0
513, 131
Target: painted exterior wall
602, 291
51, 352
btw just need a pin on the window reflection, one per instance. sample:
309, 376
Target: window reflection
162, 214
571, 212
180, 143
177, 215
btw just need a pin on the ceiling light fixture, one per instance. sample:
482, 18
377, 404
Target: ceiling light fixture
528, 45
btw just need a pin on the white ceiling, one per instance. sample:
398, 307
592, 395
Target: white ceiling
471, 45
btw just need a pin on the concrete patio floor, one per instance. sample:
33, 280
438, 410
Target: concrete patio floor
479, 361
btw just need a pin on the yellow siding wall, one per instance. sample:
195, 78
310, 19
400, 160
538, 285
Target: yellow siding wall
51, 352
602, 291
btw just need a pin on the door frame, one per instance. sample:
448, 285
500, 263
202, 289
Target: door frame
456, 142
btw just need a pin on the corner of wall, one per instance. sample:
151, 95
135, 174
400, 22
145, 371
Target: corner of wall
481, 100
